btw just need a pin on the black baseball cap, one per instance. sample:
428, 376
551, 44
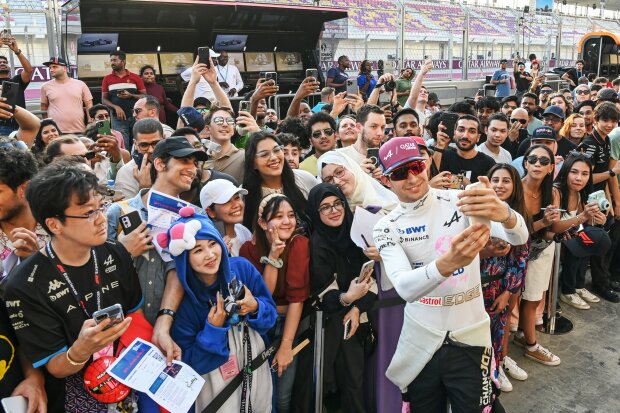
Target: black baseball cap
544, 132
501, 62
56, 61
178, 147
591, 241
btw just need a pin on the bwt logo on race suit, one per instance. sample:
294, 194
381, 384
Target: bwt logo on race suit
412, 230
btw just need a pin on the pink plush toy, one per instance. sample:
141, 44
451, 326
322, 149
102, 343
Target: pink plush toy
182, 235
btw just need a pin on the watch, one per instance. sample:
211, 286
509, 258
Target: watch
167, 311
18, 52
612, 173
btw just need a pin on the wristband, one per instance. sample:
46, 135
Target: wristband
509, 215
167, 311
72, 362
342, 301
274, 263
612, 173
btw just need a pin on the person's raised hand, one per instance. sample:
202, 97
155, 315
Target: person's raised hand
277, 245
357, 289
249, 304
354, 316
265, 89
443, 140
551, 215
94, 337
340, 103
355, 101
143, 175
249, 123
109, 144
441, 180
427, 66
464, 248
482, 201
307, 87
513, 132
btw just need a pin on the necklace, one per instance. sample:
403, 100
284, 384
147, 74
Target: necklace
532, 195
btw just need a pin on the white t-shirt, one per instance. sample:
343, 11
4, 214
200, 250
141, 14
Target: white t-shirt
502, 157
229, 74
242, 235
352, 153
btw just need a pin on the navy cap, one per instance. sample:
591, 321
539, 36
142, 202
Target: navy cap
544, 132
555, 111
192, 118
179, 147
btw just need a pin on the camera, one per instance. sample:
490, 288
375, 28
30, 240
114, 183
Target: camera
600, 199
211, 147
236, 291
389, 85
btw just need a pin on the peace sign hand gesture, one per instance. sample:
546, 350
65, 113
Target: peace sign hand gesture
277, 245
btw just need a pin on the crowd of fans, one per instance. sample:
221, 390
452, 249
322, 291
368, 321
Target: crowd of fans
268, 210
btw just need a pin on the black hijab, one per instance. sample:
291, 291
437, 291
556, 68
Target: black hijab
338, 238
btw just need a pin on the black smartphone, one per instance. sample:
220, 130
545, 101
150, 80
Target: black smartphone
245, 105
373, 155
137, 158
449, 121
261, 75
272, 76
480, 92
10, 92
113, 312
312, 73
130, 221
204, 56
103, 127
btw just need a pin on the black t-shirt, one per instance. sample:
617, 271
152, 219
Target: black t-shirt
11, 371
513, 147
523, 85
21, 99
574, 76
339, 77
47, 318
600, 152
564, 147
474, 167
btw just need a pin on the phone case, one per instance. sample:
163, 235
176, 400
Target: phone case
114, 312
103, 127
204, 56
130, 221
10, 92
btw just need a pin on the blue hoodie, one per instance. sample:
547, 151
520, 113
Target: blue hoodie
204, 346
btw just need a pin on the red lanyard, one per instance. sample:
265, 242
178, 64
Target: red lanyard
61, 269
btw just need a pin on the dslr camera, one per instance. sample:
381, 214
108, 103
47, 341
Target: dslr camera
236, 291
389, 86
600, 199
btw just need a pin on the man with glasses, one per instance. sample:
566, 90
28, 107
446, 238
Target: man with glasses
466, 159
597, 145
230, 159
529, 102
517, 132
54, 293
119, 90
437, 272
133, 176
574, 74
64, 98
148, 107
586, 109
545, 92
322, 130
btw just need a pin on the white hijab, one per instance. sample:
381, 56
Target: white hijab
367, 190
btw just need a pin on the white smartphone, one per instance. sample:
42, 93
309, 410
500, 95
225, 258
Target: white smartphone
347, 329
15, 404
366, 271
478, 220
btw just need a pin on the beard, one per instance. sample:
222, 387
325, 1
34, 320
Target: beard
11, 213
465, 148
368, 142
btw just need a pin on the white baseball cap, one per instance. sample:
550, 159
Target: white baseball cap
219, 191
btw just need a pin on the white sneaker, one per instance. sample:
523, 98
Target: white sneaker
505, 384
574, 300
514, 371
587, 295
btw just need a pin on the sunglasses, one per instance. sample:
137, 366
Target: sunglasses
521, 121
546, 91
327, 132
220, 120
401, 173
582, 92
202, 110
544, 161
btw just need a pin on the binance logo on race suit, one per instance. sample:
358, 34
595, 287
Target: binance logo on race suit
54, 285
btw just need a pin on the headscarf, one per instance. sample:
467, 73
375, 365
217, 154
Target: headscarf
367, 190
338, 238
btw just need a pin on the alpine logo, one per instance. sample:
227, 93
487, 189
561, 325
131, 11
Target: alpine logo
109, 261
455, 218
585, 239
54, 285
388, 155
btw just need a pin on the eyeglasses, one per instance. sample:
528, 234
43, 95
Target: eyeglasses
102, 117
401, 173
338, 174
582, 92
137, 111
328, 208
92, 215
277, 150
586, 113
220, 120
327, 132
145, 145
551, 119
546, 91
544, 161
202, 110
521, 121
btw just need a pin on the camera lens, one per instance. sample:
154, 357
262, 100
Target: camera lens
390, 85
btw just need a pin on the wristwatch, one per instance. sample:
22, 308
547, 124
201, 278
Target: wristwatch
18, 52
166, 311
612, 173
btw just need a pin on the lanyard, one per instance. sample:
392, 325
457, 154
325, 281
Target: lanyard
247, 373
220, 73
61, 269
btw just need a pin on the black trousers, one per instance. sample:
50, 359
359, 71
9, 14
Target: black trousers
573, 272
600, 266
458, 373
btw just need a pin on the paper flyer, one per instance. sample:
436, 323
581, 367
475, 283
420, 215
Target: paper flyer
162, 211
361, 228
143, 367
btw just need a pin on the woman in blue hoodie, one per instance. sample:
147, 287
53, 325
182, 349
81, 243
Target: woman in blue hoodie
216, 344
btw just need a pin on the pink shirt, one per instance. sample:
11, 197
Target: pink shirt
66, 103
